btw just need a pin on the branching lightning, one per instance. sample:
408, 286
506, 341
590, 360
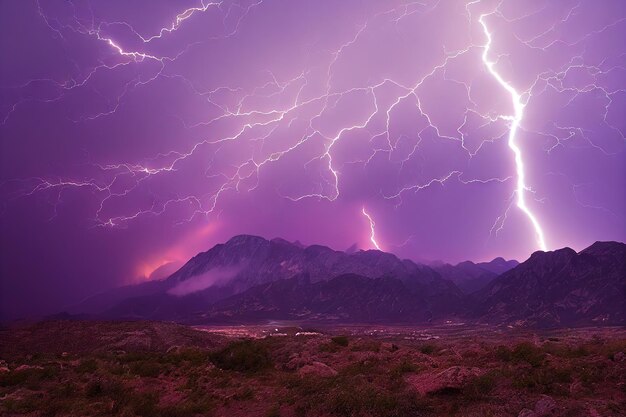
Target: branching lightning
294, 120
516, 119
372, 231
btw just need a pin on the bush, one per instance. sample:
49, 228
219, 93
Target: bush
368, 400
366, 346
242, 356
565, 351
544, 380
527, 352
340, 340
522, 353
480, 387
146, 369
88, 366
404, 367
30, 378
503, 353
94, 389
429, 349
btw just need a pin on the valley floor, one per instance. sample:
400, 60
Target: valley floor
83, 368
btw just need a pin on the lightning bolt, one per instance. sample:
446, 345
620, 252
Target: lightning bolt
372, 231
515, 120
291, 118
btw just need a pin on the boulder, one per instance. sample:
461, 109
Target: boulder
318, 369
453, 377
545, 406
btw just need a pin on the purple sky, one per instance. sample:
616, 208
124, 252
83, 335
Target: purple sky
139, 133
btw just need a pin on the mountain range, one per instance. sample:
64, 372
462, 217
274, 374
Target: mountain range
250, 278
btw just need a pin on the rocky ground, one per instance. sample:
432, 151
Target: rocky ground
77, 368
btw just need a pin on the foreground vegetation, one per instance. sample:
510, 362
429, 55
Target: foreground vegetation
159, 369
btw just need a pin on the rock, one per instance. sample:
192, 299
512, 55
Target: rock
527, 413
25, 367
594, 413
453, 377
545, 406
317, 368
391, 347
576, 388
297, 361
134, 341
619, 357
174, 349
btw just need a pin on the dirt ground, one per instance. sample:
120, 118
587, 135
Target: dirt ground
84, 368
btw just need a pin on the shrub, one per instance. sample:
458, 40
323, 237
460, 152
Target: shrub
544, 380
480, 387
242, 356
428, 348
565, 351
88, 366
366, 346
329, 347
522, 353
30, 378
146, 369
186, 408
527, 352
94, 389
340, 340
404, 367
194, 356
99, 387
359, 400
503, 353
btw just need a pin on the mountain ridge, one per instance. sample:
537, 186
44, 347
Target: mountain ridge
249, 278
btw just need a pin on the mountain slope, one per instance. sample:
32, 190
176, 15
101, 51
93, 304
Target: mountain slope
259, 261
346, 297
250, 278
560, 288
246, 262
470, 276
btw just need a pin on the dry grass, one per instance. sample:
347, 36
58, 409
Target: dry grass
153, 369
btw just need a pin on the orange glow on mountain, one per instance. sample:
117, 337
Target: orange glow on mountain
196, 241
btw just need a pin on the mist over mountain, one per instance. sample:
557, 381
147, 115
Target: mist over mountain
250, 278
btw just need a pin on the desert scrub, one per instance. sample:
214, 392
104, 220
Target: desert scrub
479, 388
565, 351
347, 395
429, 348
366, 346
146, 368
522, 353
544, 380
87, 366
31, 378
340, 340
405, 366
243, 356
370, 400
102, 387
